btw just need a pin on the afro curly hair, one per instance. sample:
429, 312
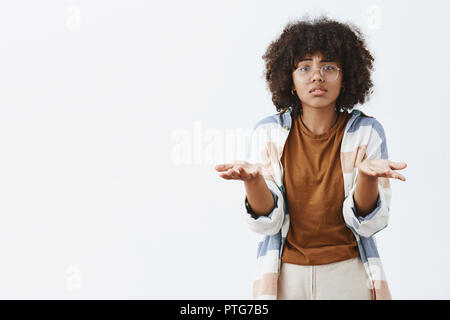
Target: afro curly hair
337, 41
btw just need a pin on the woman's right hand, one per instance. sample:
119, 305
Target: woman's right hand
239, 170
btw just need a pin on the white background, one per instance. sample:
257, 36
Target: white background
95, 95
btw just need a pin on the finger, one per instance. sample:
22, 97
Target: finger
397, 165
223, 166
396, 175
234, 173
255, 173
229, 175
243, 173
400, 176
227, 166
384, 172
225, 176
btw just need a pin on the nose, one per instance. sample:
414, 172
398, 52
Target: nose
316, 75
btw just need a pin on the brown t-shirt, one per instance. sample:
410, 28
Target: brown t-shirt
315, 194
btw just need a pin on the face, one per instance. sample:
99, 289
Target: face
303, 90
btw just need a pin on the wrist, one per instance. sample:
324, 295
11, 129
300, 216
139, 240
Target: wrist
365, 177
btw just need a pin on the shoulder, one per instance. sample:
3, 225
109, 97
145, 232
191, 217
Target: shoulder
361, 121
266, 121
370, 131
274, 121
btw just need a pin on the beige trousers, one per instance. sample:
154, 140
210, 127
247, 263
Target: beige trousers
342, 280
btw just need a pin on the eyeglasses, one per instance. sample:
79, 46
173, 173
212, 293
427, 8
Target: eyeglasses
327, 72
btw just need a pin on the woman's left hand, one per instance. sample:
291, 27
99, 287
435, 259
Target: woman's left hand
382, 168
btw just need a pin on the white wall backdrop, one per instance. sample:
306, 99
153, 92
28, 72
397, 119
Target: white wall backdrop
114, 113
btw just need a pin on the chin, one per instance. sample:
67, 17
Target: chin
319, 103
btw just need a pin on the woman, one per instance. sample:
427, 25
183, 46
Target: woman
317, 176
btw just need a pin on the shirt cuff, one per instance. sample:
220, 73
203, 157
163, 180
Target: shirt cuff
256, 216
371, 214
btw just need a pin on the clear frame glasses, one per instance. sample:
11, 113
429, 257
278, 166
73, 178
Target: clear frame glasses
328, 72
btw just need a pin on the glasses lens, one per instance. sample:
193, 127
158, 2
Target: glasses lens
328, 73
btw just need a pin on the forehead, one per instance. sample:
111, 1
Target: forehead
315, 57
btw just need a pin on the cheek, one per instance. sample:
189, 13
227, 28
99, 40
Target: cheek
333, 92
303, 92
335, 87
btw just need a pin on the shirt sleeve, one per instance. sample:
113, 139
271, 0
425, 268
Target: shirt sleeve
378, 219
258, 154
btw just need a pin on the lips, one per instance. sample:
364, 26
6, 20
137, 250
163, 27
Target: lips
321, 88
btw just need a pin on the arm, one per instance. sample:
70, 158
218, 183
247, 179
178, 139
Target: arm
260, 200
269, 223
366, 208
366, 194
373, 222
264, 201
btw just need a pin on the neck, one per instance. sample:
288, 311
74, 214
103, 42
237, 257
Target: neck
318, 120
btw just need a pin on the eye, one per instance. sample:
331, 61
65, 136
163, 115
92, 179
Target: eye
303, 68
329, 67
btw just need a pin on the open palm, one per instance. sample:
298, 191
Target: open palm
382, 168
239, 170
